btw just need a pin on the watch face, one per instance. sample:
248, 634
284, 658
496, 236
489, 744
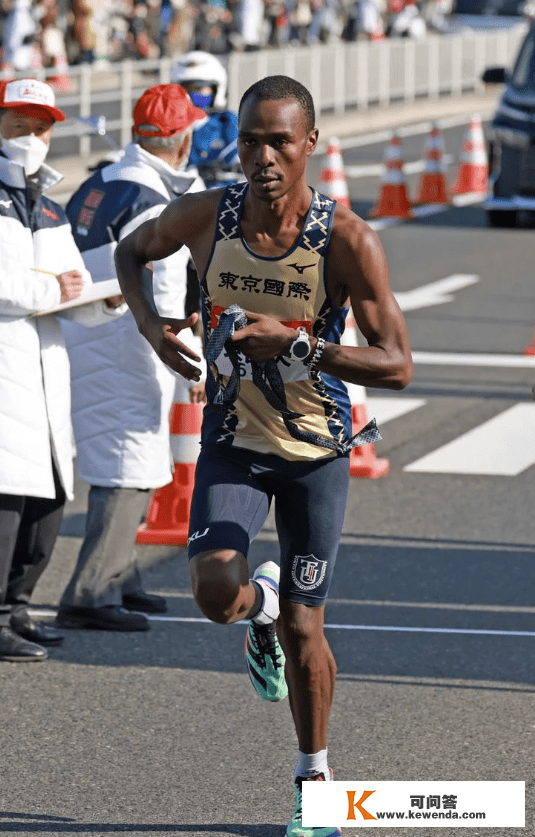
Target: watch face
300, 348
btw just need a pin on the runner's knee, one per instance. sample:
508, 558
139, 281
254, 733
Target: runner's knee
219, 580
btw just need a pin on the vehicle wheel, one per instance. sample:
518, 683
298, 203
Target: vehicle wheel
501, 218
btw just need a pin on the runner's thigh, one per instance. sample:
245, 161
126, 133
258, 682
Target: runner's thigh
229, 505
309, 511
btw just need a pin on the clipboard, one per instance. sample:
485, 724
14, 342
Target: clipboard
91, 293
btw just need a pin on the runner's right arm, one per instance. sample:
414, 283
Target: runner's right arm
184, 221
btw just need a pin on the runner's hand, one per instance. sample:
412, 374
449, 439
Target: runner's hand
263, 338
161, 332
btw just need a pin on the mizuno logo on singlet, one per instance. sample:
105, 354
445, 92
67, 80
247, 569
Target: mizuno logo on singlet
301, 268
6, 204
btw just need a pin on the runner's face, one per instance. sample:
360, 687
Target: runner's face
274, 145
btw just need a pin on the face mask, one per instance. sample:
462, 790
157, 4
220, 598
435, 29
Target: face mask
29, 152
202, 100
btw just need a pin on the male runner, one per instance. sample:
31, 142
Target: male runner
294, 261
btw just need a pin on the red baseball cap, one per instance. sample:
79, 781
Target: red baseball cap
31, 97
165, 110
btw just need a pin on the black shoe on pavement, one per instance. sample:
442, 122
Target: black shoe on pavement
144, 602
107, 618
22, 624
15, 649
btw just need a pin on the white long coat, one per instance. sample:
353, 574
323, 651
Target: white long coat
34, 367
122, 392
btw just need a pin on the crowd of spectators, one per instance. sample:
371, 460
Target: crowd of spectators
56, 33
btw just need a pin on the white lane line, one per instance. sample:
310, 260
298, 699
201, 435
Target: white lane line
201, 620
422, 630
502, 446
473, 359
386, 409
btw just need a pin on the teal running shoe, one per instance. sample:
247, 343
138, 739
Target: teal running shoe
295, 827
263, 653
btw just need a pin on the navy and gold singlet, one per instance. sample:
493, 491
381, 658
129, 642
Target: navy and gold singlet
293, 289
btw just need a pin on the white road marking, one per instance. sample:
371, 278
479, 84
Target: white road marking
423, 630
474, 359
435, 293
378, 169
201, 620
502, 446
405, 131
386, 409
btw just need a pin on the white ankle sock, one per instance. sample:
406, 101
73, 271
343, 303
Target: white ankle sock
308, 764
269, 609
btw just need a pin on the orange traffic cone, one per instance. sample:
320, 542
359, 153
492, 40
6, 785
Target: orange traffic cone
433, 186
473, 167
362, 460
167, 519
332, 180
530, 350
393, 198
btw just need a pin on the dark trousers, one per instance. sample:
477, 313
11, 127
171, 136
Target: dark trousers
106, 568
29, 527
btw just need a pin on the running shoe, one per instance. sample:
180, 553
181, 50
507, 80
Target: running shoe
295, 827
263, 653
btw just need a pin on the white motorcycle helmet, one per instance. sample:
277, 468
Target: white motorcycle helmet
202, 67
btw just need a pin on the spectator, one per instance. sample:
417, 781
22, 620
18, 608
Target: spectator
300, 20
41, 267
213, 28
405, 21
276, 14
368, 20
250, 20
214, 148
122, 392
82, 31
53, 48
20, 50
326, 22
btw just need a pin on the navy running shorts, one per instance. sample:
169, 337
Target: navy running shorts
232, 496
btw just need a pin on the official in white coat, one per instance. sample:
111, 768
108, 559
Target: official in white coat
40, 268
122, 392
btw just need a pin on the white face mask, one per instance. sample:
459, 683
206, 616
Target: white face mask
29, 152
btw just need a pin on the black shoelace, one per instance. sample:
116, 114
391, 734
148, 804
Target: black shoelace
266, 639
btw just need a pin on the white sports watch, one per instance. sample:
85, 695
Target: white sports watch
300, 348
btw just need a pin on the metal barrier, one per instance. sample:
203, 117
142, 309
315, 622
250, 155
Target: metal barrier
342, 77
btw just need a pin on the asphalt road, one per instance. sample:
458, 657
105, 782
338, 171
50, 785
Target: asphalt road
431, 618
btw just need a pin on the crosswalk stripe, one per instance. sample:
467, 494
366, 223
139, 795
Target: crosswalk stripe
385, 409
502, 446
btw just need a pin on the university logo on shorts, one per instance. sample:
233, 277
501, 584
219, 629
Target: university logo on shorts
308, 571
